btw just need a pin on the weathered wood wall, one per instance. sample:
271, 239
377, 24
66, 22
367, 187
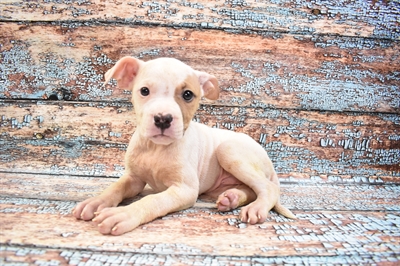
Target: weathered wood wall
317, 83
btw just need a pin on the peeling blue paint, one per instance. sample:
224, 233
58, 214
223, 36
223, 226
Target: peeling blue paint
340, 86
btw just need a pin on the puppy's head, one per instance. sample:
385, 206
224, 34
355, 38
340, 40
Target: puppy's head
165, 94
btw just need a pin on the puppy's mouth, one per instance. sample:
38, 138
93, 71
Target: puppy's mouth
160, 136
162, 139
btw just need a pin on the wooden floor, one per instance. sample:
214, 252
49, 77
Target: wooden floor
337, 223
316, 83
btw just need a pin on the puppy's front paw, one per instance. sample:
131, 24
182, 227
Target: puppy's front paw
254, 213
86, 209
116, 221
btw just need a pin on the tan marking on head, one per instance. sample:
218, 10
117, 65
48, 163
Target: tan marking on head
188, 109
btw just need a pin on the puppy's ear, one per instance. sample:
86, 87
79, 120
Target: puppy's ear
124, 71
209, 85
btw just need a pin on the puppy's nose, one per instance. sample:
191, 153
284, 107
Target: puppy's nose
163, 121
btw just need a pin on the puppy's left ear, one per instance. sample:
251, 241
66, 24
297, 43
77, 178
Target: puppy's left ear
124, 71
209, 85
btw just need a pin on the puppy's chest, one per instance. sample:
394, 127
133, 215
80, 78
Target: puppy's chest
158, 169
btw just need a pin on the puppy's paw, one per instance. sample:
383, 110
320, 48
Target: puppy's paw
228, 200
254, 213
86, 209
115, 221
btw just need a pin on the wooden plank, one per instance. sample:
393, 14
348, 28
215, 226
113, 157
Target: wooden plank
296, 196
39, 256
47, 256
310, 72
362, 236
357, 18
52, 187
91, 139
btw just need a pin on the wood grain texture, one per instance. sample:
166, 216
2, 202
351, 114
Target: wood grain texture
37, 228
91, 139
316, 83
367, 18
296, 196
363, 237
33, 255
336, 73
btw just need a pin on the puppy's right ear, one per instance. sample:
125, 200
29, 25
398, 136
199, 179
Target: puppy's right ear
124, 71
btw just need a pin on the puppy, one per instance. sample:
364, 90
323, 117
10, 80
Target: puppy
179, 158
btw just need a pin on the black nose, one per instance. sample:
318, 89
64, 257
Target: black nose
163, 121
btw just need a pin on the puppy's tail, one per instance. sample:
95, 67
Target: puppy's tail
279, 208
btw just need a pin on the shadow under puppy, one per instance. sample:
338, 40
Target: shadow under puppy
179, 158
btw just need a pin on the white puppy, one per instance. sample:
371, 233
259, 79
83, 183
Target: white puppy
180, 159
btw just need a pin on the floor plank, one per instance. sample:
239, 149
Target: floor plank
91, 139
48, 256
338, 17
293, 71
314, 196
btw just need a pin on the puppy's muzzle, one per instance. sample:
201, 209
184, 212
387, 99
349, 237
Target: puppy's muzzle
163, 121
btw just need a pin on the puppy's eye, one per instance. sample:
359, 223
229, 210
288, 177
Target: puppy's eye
188, 95
145, 91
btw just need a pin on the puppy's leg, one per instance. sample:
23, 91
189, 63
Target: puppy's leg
117, 221
230, 193
235, 197
125, 187
248, 162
